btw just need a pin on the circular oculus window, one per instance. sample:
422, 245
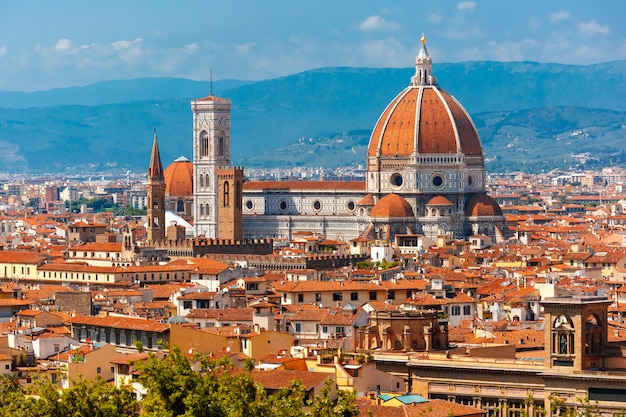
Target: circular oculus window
317, 206
396, 181
282, 205
437, 181
351, 206
249, 205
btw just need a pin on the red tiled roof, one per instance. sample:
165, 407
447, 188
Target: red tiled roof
120, 323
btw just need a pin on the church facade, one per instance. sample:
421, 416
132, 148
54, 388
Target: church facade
425, 175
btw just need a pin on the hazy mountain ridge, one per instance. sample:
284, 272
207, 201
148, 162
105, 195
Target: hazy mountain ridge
504, 99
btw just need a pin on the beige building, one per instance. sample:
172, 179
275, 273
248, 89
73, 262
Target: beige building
577, 363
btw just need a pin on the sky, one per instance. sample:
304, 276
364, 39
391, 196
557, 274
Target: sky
63, 43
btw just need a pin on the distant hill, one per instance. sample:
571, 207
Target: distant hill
109, 125
116, 91
527, 140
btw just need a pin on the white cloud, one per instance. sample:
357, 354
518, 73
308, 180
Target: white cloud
191, 48
245, 47
559, 16
377, 23
119, 45
466, 5
3, 51
64, 46
592, 28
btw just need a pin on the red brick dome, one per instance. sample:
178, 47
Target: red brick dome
482, 205
439, 200
392, 205
179, 178
424, 119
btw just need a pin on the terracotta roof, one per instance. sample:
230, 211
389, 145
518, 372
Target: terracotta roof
120, 323
443, 126
222, 314
179, 179
392, 205
482, 205
98, 247
431, 408
211, 97
198, 295
202, 265
16, 257
281, 378
367, 201
439, 200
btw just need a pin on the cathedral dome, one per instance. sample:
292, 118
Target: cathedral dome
424, 119
179, 178
482, 205
392, 205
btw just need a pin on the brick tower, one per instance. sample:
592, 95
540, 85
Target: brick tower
229, 212
156, 195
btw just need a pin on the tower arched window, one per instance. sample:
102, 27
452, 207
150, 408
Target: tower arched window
220, 145
201, 185
201, 210
226, 193
204, 143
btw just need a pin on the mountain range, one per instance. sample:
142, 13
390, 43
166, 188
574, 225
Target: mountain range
530, 117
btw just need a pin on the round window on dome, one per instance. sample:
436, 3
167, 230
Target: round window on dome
396, 181
282, 205
249, 205
351, 206
471, 182
317, 206
437, 181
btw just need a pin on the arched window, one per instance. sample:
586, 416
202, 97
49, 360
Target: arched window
226, 193
220, 145
201, 185
201, 210
204, 143
180, 206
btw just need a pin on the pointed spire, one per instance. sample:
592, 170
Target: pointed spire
423, 67
155, 170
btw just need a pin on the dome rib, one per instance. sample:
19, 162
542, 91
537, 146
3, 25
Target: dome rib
381, 125
436, 136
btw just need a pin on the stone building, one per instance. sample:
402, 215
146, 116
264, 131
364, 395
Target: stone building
425, 175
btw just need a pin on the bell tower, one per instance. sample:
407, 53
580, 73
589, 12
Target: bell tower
211, 151
155, 190
575, 331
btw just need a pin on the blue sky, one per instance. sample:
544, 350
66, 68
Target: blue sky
61, 43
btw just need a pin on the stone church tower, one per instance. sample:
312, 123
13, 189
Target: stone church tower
576, 332
217, 187
156, 195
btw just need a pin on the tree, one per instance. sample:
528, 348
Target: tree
323, 406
